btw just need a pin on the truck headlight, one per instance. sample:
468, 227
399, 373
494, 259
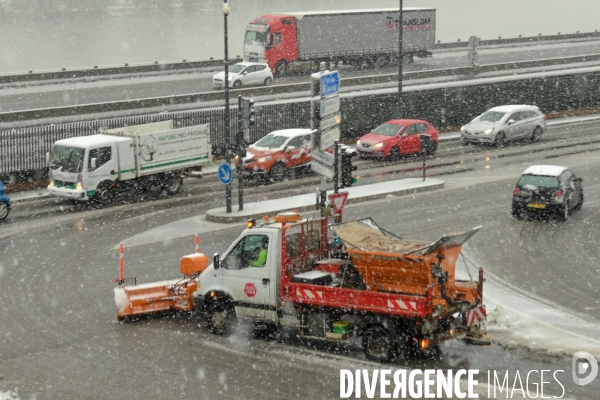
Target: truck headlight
488, 131
78, 186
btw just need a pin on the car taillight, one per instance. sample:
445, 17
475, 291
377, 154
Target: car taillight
559, 193
516, 192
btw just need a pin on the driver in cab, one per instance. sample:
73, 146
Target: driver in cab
262, 255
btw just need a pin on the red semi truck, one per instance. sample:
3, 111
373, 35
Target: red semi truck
291, 41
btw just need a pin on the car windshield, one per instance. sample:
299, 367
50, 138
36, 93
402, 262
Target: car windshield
387, 129
236, 68
254, 36
492, 116
70, 159
538, 181
271, 141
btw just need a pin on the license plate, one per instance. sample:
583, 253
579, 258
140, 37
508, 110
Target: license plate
537, 205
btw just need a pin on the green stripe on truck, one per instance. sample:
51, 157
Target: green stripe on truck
175, 162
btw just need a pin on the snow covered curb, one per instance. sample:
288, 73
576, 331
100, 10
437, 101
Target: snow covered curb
522, 321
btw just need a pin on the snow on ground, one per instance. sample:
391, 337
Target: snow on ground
519, 320
8, 396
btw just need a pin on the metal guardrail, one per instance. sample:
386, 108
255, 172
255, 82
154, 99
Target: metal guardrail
156, 66
195, 99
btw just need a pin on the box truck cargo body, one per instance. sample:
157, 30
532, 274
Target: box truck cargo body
357, 37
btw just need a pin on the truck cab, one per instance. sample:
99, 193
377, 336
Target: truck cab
272, 39
79, 165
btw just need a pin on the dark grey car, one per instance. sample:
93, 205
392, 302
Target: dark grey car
547, 189
500, 124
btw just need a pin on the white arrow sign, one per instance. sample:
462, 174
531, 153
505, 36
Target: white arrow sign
328, 137
328, 122
330, 106
321, 169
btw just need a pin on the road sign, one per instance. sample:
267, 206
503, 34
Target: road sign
330, 105
330, 121
330, 83
322, 157
225, 174
321, 169
328, 137
338, 201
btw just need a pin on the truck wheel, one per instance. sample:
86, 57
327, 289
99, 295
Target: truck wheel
378, 345
280, 68
173, 185
219, 318
103, 192
4, 209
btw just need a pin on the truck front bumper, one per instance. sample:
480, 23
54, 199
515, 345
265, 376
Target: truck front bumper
68, 193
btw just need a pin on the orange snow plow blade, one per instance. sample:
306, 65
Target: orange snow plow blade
170, 295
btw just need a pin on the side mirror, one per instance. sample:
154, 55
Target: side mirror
245, 73
93, 163
47, 158
216, 261
290, 148
511, 121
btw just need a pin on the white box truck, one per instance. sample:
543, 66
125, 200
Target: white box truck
287, 41
89, 167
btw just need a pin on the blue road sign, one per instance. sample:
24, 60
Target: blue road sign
330, 83
225, 174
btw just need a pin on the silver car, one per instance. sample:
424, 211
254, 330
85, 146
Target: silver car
500, 124
244, 73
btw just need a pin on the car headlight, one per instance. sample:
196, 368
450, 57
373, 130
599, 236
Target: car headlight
378, 145
462, 128
264, 159
488, 131
358, 142
230, 77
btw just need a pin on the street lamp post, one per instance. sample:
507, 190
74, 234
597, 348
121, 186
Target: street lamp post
400, 60
227, 119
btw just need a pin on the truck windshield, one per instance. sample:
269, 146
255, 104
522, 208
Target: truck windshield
70, 159
271, 141
254, 36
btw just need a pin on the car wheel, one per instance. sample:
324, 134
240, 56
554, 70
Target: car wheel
268, 81
378, 345
517, 212
237, 84
394, 153
537, 134
4, 209
577, 207
500, 139
280, 68
278, 172
565, 212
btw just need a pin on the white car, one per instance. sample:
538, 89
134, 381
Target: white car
245, 73
504, 123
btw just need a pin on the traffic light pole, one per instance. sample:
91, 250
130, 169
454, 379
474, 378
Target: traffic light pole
336, 166
239, 143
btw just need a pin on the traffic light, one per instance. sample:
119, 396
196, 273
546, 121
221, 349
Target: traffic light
346, 167
251, 112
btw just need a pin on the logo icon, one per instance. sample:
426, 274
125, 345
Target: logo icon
149, 147
584, 364
390, 23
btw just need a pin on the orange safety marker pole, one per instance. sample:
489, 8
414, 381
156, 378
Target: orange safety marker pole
121, 264
197, 244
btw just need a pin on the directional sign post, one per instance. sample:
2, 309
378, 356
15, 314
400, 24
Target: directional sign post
225, 174
330, 83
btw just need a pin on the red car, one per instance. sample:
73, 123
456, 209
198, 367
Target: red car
395, 138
